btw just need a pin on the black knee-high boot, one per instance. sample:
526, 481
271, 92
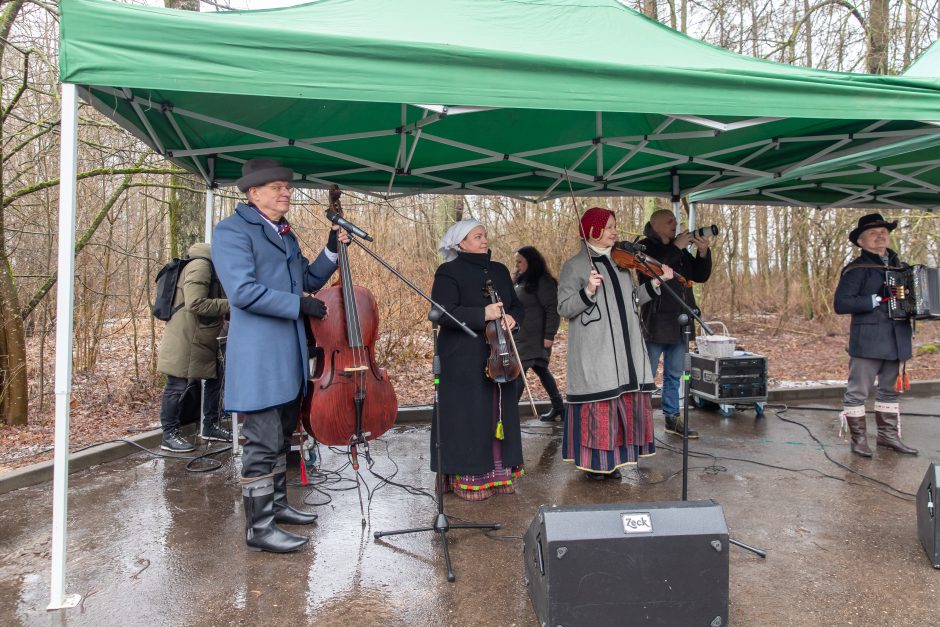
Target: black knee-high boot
261, 534
283, 512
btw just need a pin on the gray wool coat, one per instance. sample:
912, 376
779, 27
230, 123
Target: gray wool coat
606, 352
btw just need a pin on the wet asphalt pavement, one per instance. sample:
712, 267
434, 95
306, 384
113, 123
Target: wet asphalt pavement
150, 543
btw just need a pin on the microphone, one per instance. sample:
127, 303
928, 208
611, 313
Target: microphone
335, 218
633, 248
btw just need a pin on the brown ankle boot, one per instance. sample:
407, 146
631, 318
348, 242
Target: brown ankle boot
855, 419
888, 417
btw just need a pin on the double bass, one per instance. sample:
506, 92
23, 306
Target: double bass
349, 399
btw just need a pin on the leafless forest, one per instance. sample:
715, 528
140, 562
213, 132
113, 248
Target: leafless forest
777, 266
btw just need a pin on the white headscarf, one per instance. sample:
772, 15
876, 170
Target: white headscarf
454, 235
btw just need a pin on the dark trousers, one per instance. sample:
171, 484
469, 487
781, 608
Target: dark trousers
547, 380
267, 436
180, 403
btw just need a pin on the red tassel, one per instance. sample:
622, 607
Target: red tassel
907, 381
898, 385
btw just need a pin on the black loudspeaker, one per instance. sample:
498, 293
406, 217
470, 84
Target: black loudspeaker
629, 564
927, 527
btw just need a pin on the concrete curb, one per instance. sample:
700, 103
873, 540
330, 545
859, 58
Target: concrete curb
41, 472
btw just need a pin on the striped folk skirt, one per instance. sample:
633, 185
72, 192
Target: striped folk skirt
603, 436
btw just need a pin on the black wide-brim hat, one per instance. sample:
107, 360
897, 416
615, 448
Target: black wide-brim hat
871, 221
257, 172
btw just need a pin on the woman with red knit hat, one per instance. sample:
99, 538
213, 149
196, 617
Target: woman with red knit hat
609, 420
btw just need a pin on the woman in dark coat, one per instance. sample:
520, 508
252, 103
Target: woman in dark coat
537, 290
481, 445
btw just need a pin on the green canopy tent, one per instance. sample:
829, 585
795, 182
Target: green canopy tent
455, 96
471, 96
900, 175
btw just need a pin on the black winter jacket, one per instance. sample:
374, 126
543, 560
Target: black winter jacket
661, 315
873, 334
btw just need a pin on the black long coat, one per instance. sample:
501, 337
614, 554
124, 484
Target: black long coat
661, 315
873, 334
541, 321
467, 416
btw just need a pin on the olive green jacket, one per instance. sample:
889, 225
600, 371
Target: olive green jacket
190, 343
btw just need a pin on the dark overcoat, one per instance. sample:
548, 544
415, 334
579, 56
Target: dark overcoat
541, 321
264, 275
873, 334
467, 407
661, 314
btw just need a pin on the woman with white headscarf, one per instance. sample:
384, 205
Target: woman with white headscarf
481, 445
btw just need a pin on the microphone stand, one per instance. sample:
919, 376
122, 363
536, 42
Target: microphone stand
441, 523
686, 325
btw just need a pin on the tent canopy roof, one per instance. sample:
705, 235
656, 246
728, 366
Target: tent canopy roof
472, 96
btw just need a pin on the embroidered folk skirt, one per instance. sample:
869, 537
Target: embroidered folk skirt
603, 436
499, 480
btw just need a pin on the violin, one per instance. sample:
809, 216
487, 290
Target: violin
502, 366
627, 259
349, 399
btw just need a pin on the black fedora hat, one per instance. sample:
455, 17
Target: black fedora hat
257, 172
871, 221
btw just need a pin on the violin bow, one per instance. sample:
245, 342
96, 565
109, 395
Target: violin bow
574, 202
512, 342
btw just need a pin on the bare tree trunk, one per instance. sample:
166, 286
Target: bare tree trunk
746, 248
908, 31
185, 210
877, 37
799, 237
14, 386
761, 240
808, 29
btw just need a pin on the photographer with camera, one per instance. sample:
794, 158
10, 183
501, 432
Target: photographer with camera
661, 314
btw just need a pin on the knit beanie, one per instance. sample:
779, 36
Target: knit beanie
593, 222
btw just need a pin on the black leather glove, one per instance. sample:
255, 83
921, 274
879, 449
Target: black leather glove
313, 307
331, 241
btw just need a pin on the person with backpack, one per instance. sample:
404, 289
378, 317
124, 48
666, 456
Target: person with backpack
265, 275
189, 351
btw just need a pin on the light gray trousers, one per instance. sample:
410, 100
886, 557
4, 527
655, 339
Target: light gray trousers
862, 374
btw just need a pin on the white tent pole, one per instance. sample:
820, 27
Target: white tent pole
63, 345
209, 215
207, 238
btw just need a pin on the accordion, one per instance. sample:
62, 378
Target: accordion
916, 291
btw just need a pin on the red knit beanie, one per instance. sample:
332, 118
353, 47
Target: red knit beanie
593, 222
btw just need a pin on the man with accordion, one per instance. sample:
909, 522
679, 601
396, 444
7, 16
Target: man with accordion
878, 342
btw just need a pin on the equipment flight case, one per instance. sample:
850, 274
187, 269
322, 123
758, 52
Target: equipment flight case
729, 381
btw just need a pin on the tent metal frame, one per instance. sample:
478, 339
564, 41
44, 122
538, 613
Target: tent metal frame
612, 181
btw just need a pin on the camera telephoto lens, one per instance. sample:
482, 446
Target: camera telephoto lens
705, 231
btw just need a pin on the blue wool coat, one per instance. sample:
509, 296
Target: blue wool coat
873, 334
264, 276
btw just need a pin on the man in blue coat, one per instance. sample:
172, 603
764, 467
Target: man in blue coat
264, 274
877, 343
